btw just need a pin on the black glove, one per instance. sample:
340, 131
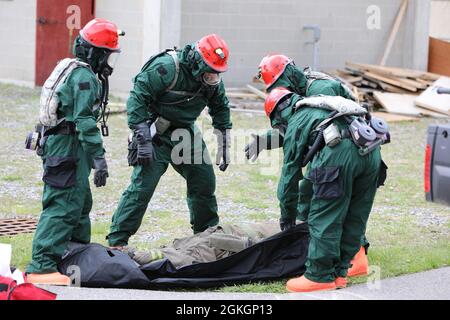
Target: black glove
223, 158
101, 171
253, 149
260, 143
145, 150
287, 223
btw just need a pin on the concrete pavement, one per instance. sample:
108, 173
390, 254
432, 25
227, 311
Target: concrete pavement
429, 285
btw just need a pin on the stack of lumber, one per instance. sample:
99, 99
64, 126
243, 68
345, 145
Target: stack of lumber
409, 93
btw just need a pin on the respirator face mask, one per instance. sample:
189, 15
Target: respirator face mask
280, 116
211, 79
278, 123
108, 63
112, 59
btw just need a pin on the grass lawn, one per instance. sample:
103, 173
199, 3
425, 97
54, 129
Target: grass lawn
406, 233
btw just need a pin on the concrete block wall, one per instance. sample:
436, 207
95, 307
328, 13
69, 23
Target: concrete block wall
255, 28
18, 40
150, 26
252, 28
129, 18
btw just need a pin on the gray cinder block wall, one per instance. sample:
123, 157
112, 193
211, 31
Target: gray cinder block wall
130, 19
18, 41
254, 28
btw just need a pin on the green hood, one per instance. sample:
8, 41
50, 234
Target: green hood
82, 52
286, 113
293, 79
191, 58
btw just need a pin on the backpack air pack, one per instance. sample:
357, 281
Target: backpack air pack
365, 131
49, 102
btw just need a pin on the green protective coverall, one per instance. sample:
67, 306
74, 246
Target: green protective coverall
344, 186
67, 162
181, 105
213, 244
294, 79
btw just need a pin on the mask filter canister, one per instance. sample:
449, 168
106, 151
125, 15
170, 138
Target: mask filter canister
332, 136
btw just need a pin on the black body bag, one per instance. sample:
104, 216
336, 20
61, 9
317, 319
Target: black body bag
281, 256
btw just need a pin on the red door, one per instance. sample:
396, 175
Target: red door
57, 25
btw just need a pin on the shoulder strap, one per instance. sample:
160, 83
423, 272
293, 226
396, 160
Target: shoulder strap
174, 56
80, 63
312, 76
152, 58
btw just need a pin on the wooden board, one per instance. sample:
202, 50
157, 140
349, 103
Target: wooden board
439, 57
425, 82
394, 31
393, 71
241, 95
392, 81
393, 89
415, 83
389, 117
370, 84
431, 100
256, 91
398, 103
403, 104
347, 76
252, 105
432, 114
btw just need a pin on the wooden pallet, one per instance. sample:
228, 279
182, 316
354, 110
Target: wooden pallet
11, 227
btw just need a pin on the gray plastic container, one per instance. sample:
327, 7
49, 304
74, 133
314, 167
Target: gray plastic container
439, 141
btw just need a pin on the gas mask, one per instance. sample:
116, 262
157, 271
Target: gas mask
211, 79
280, 116
107, 66
200, 69
259, 75
106, 63
281, 127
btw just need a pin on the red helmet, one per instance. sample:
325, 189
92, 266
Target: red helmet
274, 97
214, 52
272, 67
101, 33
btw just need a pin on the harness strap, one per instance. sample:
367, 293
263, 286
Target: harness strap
189, 96
174, 56
328, 120
312, 76
64, 128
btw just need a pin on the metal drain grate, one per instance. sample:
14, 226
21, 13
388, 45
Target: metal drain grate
11, 227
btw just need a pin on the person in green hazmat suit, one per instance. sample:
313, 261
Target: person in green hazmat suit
72, 148
280, 71
169, 94
344, 184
